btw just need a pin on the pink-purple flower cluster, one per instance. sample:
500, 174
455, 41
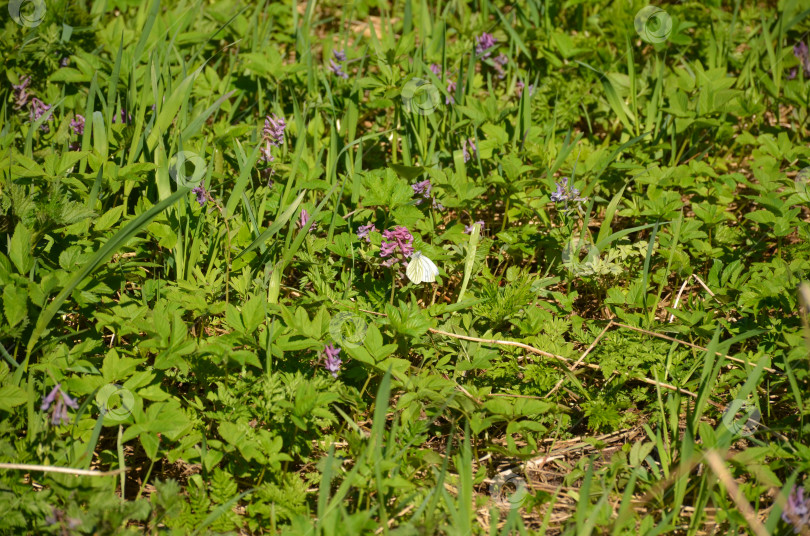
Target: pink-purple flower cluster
21, 94
801, 51
77, 124
201, 193
424, 188
38, 108
484, 43
303, 219
397, 245
469, 228
500, 62
797, 511
473, 149
332, 362
519, 85
58, 401
123, 117
565, 193
59, 517
273, 135
337, 68
364, 230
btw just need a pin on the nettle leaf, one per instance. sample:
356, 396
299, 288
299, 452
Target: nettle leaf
234, 318
386, 189
19, 249
408, 320
15, 304
253, 313
12, 396
109, 218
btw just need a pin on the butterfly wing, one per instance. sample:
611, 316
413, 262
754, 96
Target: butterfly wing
414, 271
421, 269
430, 270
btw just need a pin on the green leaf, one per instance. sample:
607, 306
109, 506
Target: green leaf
15, 304
12, 396
20, 249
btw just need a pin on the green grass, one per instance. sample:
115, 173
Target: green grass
180, 269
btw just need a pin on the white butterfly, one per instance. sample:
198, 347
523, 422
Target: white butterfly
421, 269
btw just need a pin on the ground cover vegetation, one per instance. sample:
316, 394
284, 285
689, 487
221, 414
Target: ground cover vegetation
406, 267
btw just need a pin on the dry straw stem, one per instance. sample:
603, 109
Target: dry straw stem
683, 287
673, 339
715, 461
804, 310
574, 364
561, 358
57, 469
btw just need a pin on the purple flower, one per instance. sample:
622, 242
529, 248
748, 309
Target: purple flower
337, 69
436, 69
340, 55
78, 124
399, 241
65, 62
303, 219
500, 61
484, 42
123, 118
37, 109
519, 87
267, 155
565, 194
473, 149
58, 516
801, 51
451, 88
201, 193
21, 96
332, 362
797, 511
60, 400
273, 131
364, 231
272, 135
469, 228
422, 188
